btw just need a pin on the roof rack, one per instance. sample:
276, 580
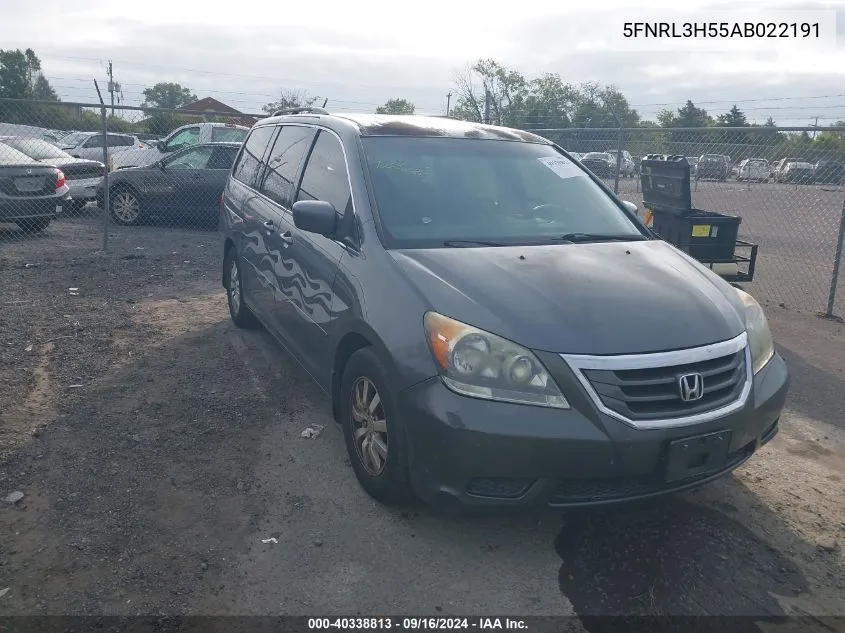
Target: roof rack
302, 110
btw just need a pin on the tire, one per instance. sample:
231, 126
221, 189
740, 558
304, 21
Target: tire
240, 314
389, 484
34, 225
125, 206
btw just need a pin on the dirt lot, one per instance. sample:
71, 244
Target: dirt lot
157, 447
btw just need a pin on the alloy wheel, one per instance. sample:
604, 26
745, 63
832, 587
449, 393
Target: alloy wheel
369, 426
126, 207
234, 287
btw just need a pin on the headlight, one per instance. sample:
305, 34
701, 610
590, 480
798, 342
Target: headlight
475, 363
759, 335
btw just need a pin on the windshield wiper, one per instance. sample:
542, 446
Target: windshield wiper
464, 243
602, 237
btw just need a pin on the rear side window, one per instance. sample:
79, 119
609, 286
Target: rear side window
249, 163
283, 163
228, 134
325, 176
94, 141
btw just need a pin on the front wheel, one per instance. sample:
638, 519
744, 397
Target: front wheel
372, 430
125, 207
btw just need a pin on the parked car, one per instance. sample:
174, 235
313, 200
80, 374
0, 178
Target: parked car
754, 170
90, 144
828, 172
601, 164
712, 167
492, 324
794, 170
82, 176
576, 155
184, 185
627, 169
31, 193
179, 138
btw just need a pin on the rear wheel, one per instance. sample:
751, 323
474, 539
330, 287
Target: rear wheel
125, 206
241, 315
34, 225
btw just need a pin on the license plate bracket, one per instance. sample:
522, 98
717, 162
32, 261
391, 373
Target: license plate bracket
697, 455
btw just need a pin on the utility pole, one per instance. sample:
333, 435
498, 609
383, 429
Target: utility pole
815, 125
448, 101
113, 87
487, 99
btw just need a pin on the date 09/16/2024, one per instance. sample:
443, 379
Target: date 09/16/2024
780, 30
415, 624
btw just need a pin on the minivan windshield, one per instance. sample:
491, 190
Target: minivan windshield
431, 192
73, 139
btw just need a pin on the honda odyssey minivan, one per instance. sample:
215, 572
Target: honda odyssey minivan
492, 325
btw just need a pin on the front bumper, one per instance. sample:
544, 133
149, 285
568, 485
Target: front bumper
472, 453
84, 188
12, 209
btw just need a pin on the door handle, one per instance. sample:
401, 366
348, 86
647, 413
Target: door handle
287, 237
268, 224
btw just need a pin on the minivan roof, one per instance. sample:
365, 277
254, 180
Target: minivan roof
418, 125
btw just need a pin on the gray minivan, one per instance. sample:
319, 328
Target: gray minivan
493, 325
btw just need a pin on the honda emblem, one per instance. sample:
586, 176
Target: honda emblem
691, 387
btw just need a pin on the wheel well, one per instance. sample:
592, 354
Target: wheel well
348, 345
227, 246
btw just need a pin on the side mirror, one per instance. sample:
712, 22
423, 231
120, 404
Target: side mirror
315, 216
630, 206
160, 146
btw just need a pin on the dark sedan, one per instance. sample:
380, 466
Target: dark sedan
185, 185
31, 193
601, 164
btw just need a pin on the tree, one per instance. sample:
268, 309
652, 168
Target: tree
687, 116
732, 118
396, 106
507, 90
15, 74
42, 90
167, 95
550, 102
290, 99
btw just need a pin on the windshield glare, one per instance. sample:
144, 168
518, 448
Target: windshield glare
36, 148
432, 190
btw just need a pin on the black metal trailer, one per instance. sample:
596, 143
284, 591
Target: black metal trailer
710, 237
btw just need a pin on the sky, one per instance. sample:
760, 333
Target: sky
358, 55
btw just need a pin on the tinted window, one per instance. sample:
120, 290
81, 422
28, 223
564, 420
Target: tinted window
194, 158
73, 139
283, 163
249, 163
117, 141
222, 158
225, 134
325, 175
430, 190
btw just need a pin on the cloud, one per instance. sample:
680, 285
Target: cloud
359, 57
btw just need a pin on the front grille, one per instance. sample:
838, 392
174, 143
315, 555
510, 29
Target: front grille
654, 393
499, 487
574, 491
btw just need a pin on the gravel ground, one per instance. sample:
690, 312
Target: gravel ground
157, 447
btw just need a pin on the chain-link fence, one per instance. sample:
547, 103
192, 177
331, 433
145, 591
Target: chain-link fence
65, 190
787, 188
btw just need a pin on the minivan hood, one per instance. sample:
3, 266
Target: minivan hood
605, 298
